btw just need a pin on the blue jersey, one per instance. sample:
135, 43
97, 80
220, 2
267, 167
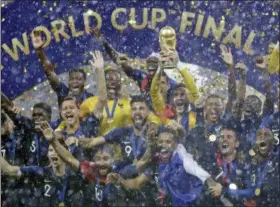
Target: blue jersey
203, 149
265, 178
62, 91
236, 174
272, 122
33, 144
179, 187
13, 151
249, 129
88, 128
133, 147
96, 191
47, 189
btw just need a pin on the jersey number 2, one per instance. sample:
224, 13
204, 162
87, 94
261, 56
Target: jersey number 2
47, 190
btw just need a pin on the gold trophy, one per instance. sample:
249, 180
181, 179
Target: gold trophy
167, 38
167, 41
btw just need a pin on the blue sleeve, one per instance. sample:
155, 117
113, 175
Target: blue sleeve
32, 170
137, 75
90, 126
266, 122
25, 121
128, 171
115, 135
239, 194
54, 124
62, 90
172, 83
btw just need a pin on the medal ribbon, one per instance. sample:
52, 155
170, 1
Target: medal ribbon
136, 145
111, 115
61, 194
229, 172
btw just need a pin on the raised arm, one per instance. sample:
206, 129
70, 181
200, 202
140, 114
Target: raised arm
228, 59
9, 107
113, 54
190, 84
98, 64
121, 59
145, 160
157, 98
8, 169
63, 153
268, 107
241, 89
38, 43
129, 184
190, 165
86, 143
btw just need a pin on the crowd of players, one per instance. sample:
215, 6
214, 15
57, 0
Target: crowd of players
165, 147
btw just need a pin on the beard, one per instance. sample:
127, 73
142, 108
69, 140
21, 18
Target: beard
139, 122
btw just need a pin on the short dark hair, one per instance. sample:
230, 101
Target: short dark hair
164, 129
70, 98
214, 96
137, 98
233, 125
46, 107
180, 85
152, 60
110, 70
79, 71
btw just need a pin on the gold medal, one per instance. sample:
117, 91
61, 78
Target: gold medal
252, 152
61, 204
257, 192
110, 120
233, 186
212, 137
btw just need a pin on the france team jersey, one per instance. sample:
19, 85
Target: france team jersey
133, 147
34, 144
43, 188
181, 187
62, 91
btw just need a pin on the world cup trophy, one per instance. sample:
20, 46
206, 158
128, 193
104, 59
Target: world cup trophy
167, 41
